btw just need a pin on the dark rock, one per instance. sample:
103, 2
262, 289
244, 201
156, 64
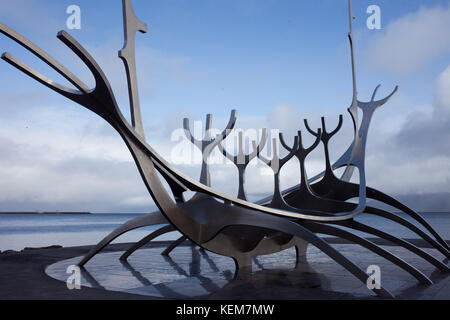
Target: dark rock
10, 252
42, 248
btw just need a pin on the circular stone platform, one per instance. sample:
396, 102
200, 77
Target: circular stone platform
191, 273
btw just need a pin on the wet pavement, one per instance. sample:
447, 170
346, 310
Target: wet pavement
192, 273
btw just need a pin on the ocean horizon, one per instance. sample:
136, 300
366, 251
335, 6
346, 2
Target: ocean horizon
18, 231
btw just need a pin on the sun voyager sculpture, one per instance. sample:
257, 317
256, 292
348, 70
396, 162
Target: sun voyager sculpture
232, 226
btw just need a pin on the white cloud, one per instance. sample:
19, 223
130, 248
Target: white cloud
443, 92
414, 158
411, 41
61, 168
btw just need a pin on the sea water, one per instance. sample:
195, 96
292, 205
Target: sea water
18, 231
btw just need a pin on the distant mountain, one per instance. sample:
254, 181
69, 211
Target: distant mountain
432, 202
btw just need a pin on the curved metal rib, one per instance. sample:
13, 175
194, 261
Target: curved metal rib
330, 186
325, 229
44, 56
296, 230
147, 239
139, 222
173, 245
400, 242
333, 188
101, 99
380, 196
73, 95
410, 226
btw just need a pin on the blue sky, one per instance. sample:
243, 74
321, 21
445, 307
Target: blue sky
247, 54
274, 61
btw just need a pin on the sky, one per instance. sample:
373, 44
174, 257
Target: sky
276, 62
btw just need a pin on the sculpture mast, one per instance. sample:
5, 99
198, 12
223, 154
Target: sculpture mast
353, 110
354, 107
131, 25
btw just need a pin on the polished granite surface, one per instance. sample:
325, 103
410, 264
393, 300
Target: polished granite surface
191, 273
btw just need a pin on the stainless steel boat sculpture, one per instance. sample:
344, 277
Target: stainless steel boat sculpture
232, 226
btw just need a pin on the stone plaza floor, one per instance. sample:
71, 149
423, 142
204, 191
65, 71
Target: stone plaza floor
191, 273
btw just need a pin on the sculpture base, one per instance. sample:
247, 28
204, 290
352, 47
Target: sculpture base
191, 273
